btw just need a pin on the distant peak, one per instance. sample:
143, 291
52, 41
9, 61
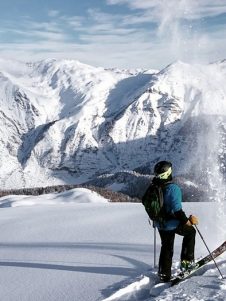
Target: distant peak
174, 65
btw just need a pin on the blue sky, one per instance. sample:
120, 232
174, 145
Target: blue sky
114, 33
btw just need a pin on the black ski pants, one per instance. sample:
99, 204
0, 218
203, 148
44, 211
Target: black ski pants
167, 247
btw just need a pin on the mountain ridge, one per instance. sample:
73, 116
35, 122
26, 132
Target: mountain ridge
64, 122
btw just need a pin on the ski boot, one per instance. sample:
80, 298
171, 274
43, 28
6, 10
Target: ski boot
186, 266
164, 278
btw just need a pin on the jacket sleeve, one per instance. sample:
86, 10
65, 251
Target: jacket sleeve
177, 205
181, 216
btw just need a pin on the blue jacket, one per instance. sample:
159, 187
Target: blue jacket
172, 196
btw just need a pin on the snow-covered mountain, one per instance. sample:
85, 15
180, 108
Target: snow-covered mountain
67, 122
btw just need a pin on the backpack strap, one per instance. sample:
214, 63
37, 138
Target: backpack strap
160, 193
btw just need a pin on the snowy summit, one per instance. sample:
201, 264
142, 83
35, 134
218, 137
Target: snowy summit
66, 122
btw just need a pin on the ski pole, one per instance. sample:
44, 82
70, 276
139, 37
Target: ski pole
209, 251
154, 243
155, 247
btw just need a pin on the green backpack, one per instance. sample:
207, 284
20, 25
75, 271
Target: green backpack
153, 203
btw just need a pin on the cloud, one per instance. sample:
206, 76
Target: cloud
114, 48
167, 13
108, 24
151, 34
182, 25
186, 9
53, 13
44, 26
75, 22
171, 16
36, 31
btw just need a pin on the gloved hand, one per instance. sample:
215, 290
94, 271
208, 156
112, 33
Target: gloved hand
193, 220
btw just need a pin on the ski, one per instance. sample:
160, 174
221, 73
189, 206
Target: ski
159, 287
200, 263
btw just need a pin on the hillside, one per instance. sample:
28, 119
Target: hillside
64, 122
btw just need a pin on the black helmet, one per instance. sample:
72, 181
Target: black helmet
163, 170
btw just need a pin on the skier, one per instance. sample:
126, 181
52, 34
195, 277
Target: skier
176, 223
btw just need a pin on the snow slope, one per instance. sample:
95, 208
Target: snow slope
56, 247
54, 115
67, 122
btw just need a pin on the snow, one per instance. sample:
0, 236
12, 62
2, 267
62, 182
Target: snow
57, 247
189, 183
78, 195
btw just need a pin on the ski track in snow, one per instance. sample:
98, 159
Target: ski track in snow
188, 290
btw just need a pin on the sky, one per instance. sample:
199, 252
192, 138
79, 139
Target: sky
147, 34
